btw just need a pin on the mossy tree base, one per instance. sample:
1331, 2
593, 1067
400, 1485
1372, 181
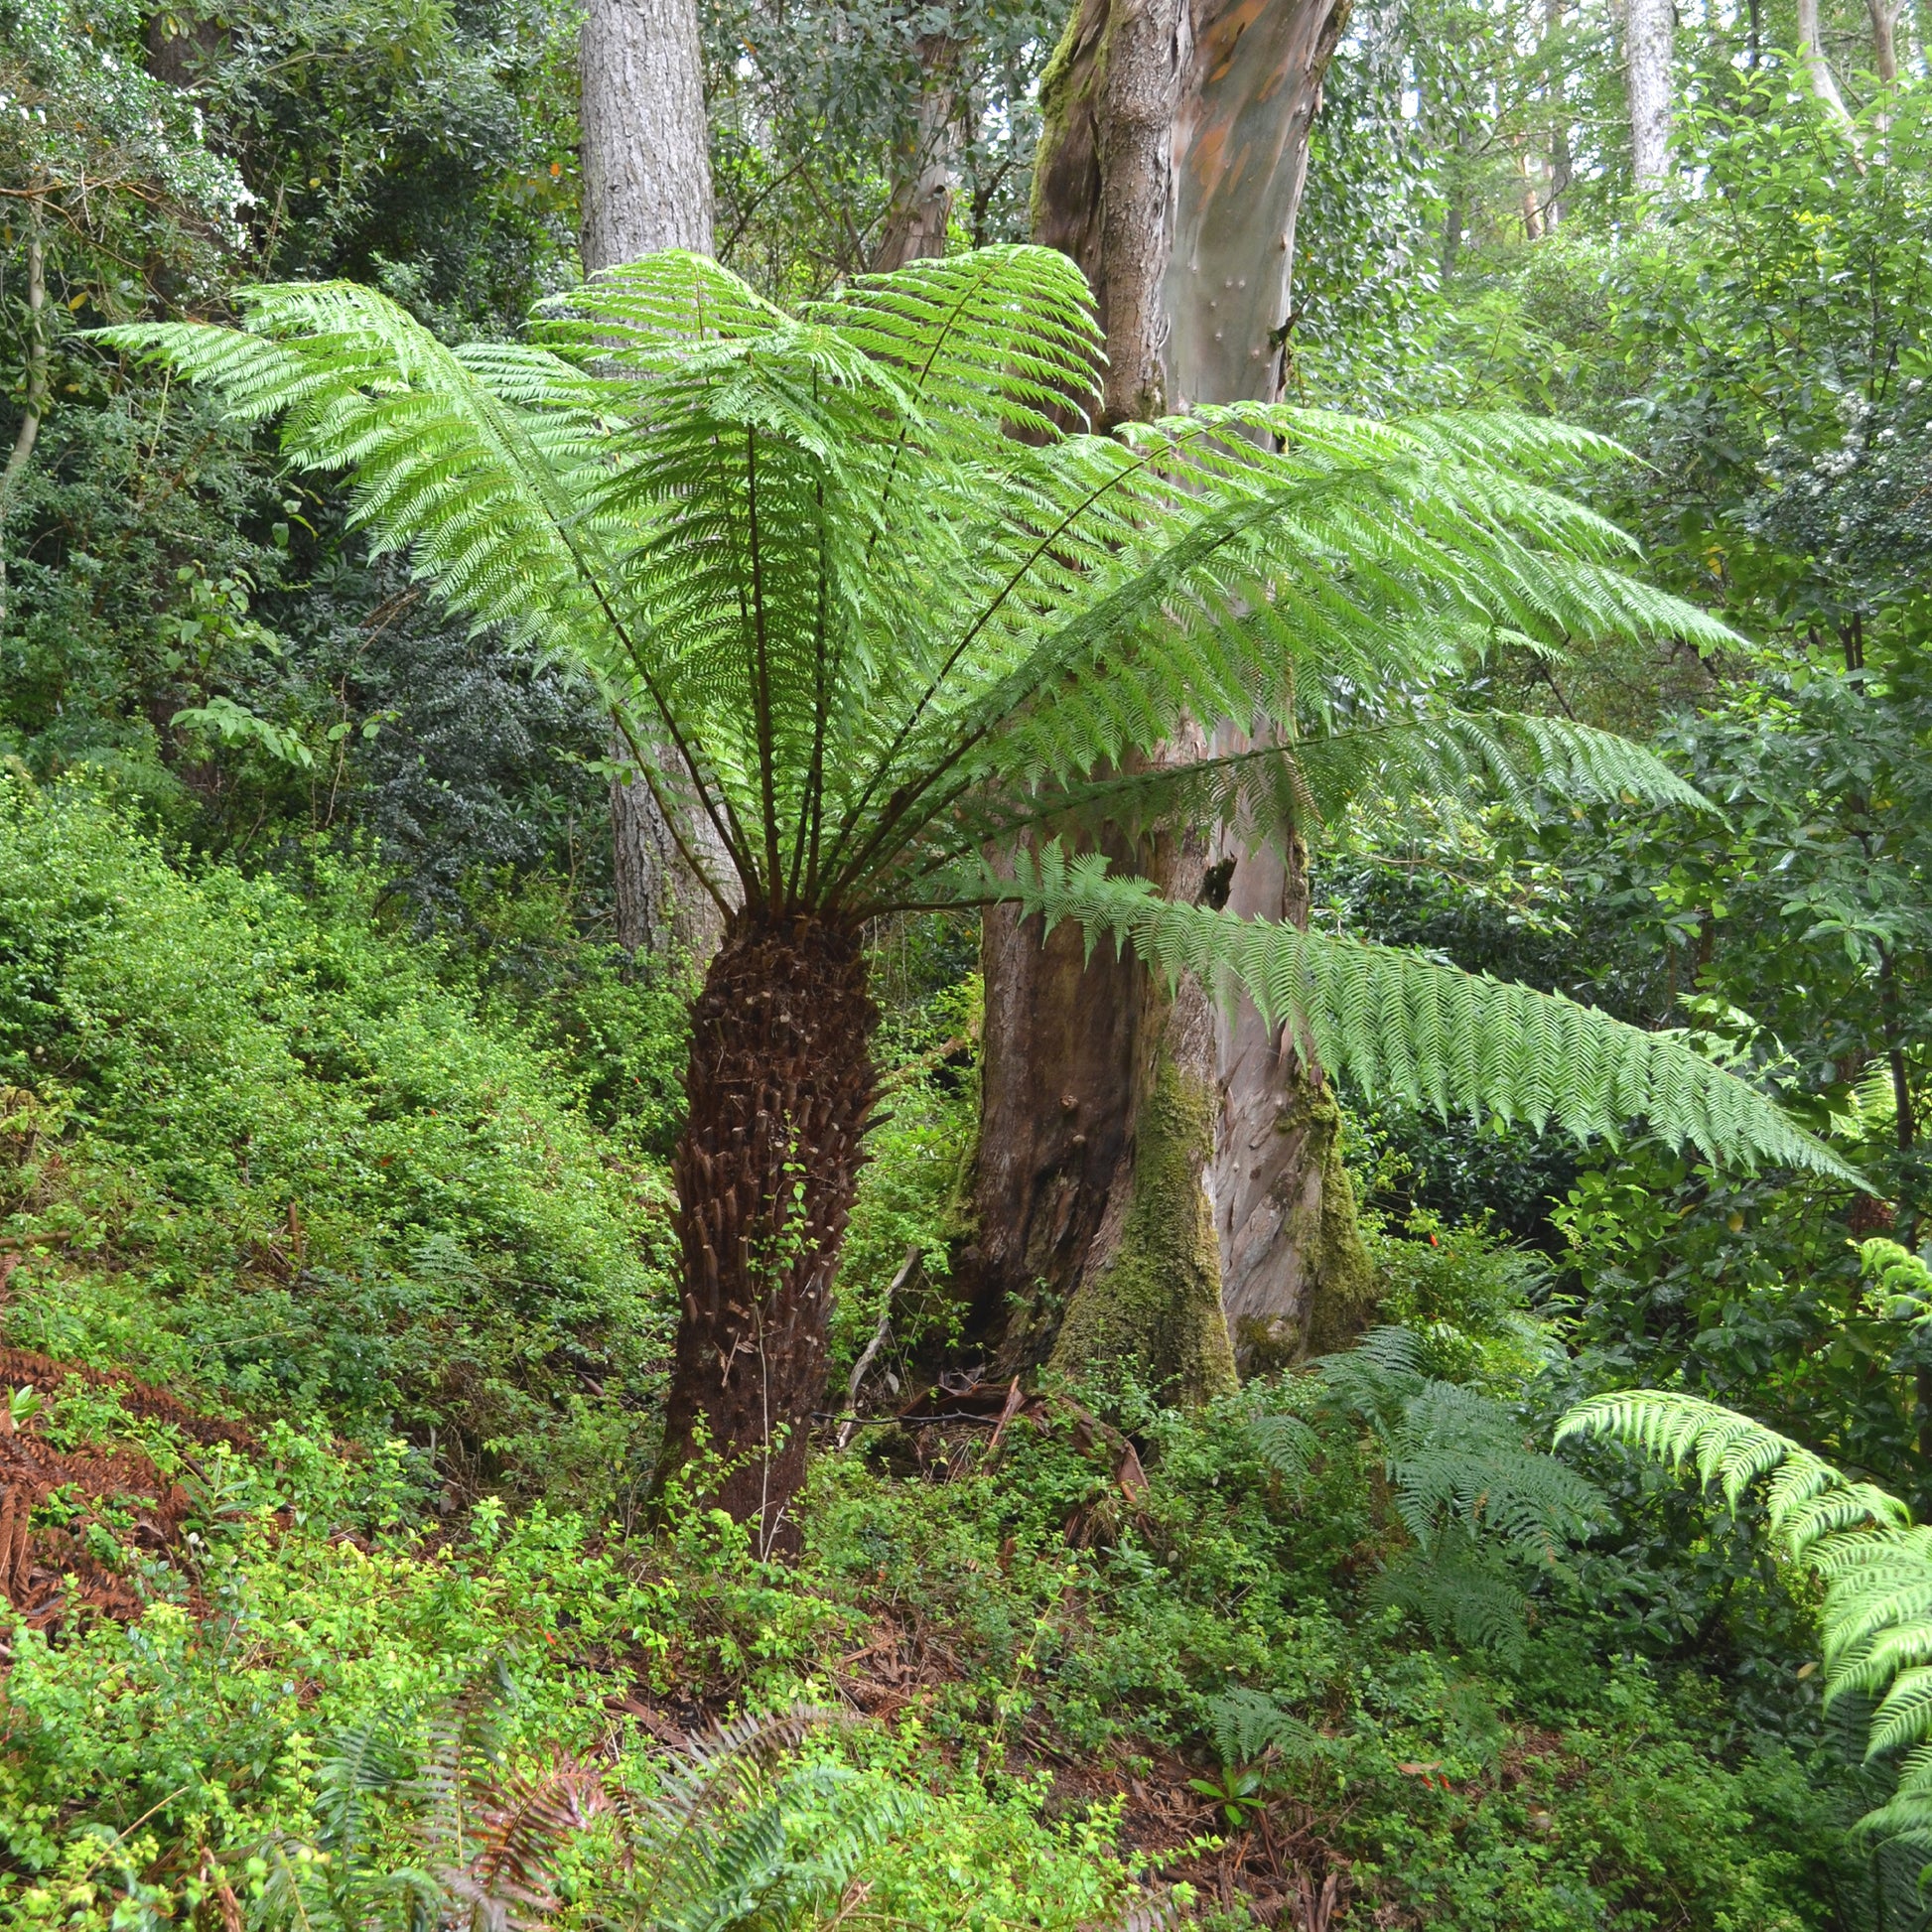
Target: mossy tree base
1154, 1308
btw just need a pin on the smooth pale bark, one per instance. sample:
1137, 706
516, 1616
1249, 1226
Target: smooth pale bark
1884, 40
646, 172
1649, 40
1117, 1121
1812, 48
920, 211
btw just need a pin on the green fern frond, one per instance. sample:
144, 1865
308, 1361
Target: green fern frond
1286, 1444
1460, 1593
1389, 1021
854, 624
1874, 1562
1901, 1281
1247, 1725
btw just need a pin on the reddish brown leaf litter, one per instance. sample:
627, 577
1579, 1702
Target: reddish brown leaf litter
47, 1571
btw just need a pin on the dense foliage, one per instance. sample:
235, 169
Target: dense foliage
337, 1272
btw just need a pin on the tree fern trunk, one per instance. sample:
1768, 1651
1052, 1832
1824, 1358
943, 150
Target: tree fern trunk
779, 1084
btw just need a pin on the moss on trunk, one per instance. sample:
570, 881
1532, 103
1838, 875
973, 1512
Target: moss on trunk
1155, 1307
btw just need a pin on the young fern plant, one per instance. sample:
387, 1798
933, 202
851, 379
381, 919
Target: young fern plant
880, 632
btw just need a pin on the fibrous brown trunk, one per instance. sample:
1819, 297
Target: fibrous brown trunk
1113, 1118
780, 1085
646, 172
917, 217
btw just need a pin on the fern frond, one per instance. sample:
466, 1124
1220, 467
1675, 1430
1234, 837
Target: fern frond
1286, 1444
1389, 1021
1460, 1593
1247, 1725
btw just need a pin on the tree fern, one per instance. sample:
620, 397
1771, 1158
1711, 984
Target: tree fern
865, 636
858, 626
1484, 1509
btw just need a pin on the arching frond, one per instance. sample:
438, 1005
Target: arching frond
1386, 1020
856, 623
1875, 1563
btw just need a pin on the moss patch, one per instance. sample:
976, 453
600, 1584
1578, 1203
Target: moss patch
1157, 1306
1343, 1290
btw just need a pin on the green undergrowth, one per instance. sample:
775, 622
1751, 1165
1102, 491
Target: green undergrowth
267, 1152
399, 1204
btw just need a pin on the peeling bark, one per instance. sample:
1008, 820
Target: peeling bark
1092, 1076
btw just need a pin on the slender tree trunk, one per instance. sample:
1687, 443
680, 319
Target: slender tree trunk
1171, 169
1812, 48
1884, 40
34, 404
1561, 162
1649, 40
779, 1086
646, 171
920, 210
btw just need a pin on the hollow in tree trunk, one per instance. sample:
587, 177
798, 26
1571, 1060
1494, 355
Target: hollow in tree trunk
780, 1085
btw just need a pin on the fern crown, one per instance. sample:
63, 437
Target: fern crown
866, 613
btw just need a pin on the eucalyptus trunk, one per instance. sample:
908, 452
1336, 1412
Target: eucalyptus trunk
779, 1084
920, 210
646, 170
1136, 1145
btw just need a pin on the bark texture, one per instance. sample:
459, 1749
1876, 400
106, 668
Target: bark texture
1170, 167
780, 1085
646, 156
1650, 37
1115, 1119
647, 185
920, 211
1294, 1276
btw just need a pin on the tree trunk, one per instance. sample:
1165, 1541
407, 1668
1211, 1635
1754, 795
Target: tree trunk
645, 148
1812, 48
1171, 169
779, 1086
1649, 39
920, 210
33, 409
1294, 1276
646, 170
